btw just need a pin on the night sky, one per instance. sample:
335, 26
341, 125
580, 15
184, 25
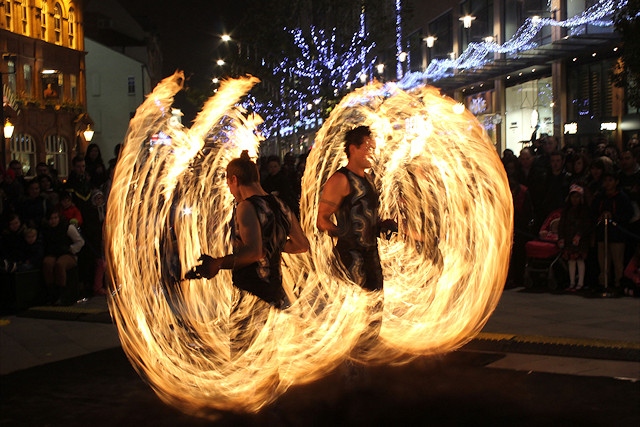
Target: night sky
189, 32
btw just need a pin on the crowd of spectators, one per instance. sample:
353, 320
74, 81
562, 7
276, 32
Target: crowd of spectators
595, 192
53, 228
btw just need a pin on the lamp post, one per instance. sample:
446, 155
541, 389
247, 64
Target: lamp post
8, 129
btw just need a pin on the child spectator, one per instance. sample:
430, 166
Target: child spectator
31, 252
62, 242
69, 210
574, 235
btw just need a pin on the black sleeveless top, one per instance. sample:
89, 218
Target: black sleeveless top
264, 277
357, 215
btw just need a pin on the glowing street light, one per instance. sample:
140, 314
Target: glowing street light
467, 20
430, 40
220, 62
226, 38
8, 129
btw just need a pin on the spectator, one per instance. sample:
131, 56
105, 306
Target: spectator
574, 235
613, 210
69, 210
62, 243
13, 190
33, 208
526, 160
11, 241
598, 167
93, 271
94, 166
522, 221
278, 183
79, 184
556, 186
18, 171
47, 191
580, 169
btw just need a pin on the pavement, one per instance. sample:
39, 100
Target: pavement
552, 358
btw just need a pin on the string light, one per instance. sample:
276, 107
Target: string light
323, 65
478, 54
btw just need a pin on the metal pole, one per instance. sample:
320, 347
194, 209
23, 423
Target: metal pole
606, 253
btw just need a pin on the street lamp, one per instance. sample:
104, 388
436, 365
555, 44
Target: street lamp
467, 20
430, 40
426, 54
88, 133
8, 129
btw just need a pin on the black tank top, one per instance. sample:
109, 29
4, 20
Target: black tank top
357, 215
264, 277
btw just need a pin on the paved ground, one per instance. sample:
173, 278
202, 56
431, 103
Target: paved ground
527, 367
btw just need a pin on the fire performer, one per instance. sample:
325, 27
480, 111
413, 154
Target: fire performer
264, 227
351, 196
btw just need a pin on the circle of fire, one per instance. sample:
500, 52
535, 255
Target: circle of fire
205, 347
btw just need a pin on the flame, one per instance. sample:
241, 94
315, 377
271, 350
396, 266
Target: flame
203, 346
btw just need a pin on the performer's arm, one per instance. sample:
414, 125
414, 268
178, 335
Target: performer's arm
297, 242
251, 250
335, 190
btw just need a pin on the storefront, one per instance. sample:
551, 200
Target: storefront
529, 105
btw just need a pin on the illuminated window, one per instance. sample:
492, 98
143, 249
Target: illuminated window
43, 20
23, 148
73, 86
57, 154
7, 15
28, 79
57, 23
11, 75
24, 17
72, 28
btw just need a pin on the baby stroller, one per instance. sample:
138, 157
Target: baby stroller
543, 256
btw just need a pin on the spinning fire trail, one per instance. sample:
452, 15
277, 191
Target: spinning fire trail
203, 346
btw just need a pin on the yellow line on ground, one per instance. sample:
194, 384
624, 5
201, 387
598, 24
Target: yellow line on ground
540, 339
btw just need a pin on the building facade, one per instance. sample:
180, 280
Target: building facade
43, 81
525, 68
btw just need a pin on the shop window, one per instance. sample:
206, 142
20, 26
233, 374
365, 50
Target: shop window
528, 105
23, 148
57, 153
